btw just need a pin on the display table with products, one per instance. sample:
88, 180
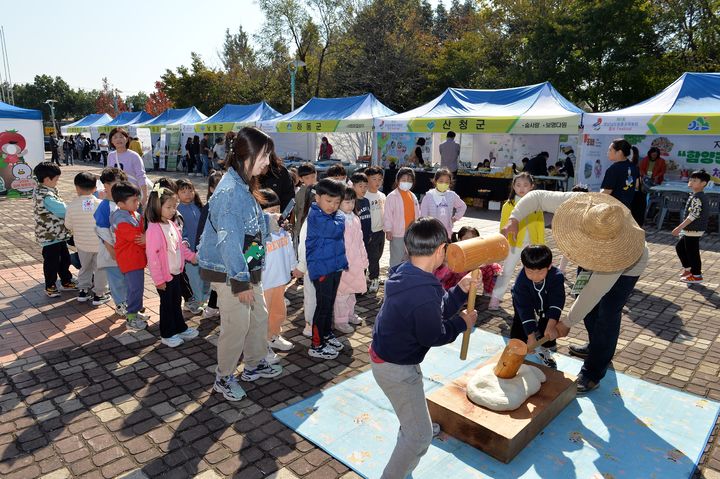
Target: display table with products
467, 184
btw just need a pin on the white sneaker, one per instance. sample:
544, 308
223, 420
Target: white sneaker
189, 333
271, 357
355, 319
280, 343
326, 352
143, 316
192, 307
287, 302
121, 309
307, 332
210, 312
374, 285
334, 343
172, 341
345, 328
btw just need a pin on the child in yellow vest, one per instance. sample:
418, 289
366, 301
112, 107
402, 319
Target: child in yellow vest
532, 231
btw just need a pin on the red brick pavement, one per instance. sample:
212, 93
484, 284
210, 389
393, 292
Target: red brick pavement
82, 397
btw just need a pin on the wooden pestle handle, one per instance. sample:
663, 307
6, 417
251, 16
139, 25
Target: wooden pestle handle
470, 307
539, 343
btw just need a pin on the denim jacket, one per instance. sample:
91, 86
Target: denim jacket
233, 214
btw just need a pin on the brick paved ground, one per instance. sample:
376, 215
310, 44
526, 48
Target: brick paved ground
81, 397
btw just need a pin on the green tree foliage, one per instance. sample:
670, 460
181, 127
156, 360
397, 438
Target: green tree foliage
137, 101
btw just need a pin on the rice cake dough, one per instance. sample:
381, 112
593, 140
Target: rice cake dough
491, 392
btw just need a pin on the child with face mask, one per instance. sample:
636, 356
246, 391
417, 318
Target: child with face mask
443, 203
401, 209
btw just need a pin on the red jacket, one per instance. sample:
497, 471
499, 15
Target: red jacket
129, 255
658, 172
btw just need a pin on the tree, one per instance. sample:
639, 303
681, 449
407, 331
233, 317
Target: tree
137, 101
237, 53
198, 86
158, 101
44, 87
109, 101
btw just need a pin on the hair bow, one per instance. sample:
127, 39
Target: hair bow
158, 189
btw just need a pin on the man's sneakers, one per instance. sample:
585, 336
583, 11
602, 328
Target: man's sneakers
374, 285
279, 343
692, 279
99, 300
262, 370
52, 292
83, 295
134, 323
545, 355
210, 312
229, 387
585, 384
581, 352
345, 328
323, 352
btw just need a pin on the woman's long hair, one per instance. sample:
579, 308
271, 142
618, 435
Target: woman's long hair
248, 145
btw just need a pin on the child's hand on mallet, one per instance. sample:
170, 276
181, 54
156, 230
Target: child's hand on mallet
551, 331
470, 318
467, 282
562, 329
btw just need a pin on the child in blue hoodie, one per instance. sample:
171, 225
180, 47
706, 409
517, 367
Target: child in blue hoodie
416, 315
326, 260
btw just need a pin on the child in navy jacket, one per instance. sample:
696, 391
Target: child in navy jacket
416, 315
326, 260
538, 299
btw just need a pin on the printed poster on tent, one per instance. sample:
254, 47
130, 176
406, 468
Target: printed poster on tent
21, 148
397, 147
682, 153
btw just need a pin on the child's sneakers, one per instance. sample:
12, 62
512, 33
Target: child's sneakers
355, 319
83, 295
210, 312
271, 357
189, 333
685, 273
323, 352
229, 387
52, 292
334, 343
374, 285
172, 341
262, 370
546, 356
134, 322
692, 279
280, 343
193, 307
345, 328
99, 300
71, 285
121, 309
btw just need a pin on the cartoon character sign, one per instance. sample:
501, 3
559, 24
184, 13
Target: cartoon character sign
24, 182
12, 148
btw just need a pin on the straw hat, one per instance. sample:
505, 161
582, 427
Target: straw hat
597, 232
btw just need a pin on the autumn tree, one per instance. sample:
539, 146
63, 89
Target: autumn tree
158, 101
109, 100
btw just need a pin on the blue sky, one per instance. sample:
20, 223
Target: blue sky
130, 42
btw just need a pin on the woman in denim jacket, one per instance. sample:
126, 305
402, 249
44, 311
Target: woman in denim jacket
231, 257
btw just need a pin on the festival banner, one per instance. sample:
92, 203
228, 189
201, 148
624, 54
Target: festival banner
681, 152
325, 126
515, 125
661, 124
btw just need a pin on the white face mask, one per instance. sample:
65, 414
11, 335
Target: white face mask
405, 185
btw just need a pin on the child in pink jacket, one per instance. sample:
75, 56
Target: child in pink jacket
167, 253
401, 209
353, 279
443, 203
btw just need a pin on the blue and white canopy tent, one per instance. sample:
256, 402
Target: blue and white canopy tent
87, 126
234, 117
331, 117
167, 128
125, 119
21, 148
506, 124
682, 121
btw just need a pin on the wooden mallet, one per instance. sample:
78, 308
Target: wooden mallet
469, 255
513, 356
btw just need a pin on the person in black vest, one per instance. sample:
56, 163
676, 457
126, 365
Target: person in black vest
277, 178
622, 178
537, 166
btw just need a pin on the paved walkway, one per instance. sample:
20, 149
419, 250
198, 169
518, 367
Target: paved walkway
82, 397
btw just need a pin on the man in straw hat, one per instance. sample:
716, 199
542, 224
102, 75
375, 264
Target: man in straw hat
597, 232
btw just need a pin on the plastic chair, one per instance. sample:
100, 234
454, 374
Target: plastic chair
654, 200
673, 202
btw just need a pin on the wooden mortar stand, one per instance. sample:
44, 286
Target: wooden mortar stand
469, 255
